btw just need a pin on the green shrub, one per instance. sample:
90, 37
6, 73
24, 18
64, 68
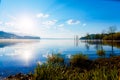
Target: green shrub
50, 72
78, 70
101, 52
81, 61
55, 59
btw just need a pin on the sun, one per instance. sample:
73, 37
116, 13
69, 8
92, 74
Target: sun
25, 24
25, 21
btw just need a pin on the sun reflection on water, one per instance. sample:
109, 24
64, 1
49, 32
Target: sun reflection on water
26, 55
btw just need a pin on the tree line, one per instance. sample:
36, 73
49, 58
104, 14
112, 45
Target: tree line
111, 34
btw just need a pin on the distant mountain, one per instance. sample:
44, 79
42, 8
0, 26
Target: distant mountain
6, 35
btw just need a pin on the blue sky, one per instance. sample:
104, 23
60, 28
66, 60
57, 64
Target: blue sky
58, 18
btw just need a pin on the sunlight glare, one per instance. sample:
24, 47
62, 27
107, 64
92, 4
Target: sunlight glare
25, 24
26, 55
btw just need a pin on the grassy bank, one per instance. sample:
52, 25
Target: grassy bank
79, 67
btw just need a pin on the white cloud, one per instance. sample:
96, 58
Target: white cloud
12, 17
1, 22
61, 25
43, 27
61, 28
71, 21
49, 23
41, 15
84, 24
9, 24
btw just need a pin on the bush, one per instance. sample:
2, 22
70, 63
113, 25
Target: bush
102, 73
55, 59
107, 69
80, 60
50, 72
101, 52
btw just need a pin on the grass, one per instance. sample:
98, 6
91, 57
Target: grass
101, 52
65, 73
80, 68
80, 60
55, 58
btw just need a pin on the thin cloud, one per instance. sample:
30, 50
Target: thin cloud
1, 22
61, 28
49, 23
12, 17
41, 15
84, 24
9, 24
71, 21
61, 25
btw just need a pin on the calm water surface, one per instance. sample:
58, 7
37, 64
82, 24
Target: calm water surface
22, 56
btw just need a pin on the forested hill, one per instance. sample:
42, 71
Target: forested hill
114, 36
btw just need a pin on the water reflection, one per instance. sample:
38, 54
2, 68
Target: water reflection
4, 44
21, 51
23, 56
87, 46
76, 40
113, 44
100, 44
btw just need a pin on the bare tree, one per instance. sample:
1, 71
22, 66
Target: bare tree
88, 36
111, 31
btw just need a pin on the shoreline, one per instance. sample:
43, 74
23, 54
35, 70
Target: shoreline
109, 63
19, 40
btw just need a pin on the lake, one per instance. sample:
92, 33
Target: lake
23, 55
